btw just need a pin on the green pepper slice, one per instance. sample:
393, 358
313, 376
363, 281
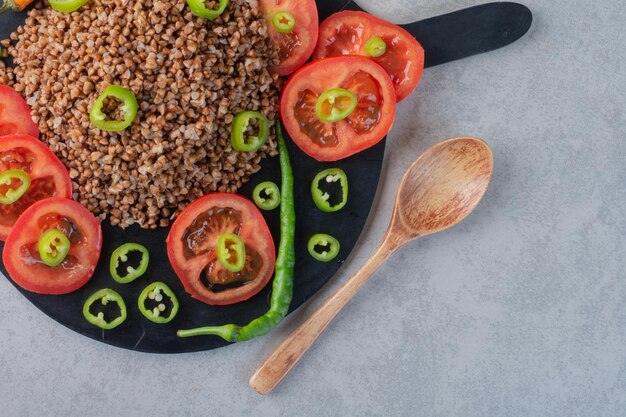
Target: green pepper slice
231, 252
266, 195
128, 108
13, 178
121, 255
67, 6
284, 22
375, 47
321, 197
152, 303
335, 105
238, 134
53, 247
104, 296
200, 9
323, 247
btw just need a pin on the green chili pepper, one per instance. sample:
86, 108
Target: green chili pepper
323, 247
128, 108
284, 22
97, 319
266, 195
375, 47
238, 133
321, 197
152, 304
67, 6
282, 287
121, 255
335, 105
231, 252
53, 247
200, 9
8, 178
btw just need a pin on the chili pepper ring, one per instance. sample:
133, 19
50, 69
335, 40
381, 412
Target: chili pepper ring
121, 255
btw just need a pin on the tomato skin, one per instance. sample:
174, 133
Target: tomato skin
15, 115
320, 76
303, 37
29, 272
44, 165
347, 32
254, 231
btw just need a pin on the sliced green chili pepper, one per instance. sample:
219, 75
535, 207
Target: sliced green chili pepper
375, 47
121, 255
104, 296
282, 287
200, 9
11, 195
231, 252
128, 108
53, 246
67, 6
153, 305
335, 105
284, 22
266, 195
323, 247
238, 133
322, 198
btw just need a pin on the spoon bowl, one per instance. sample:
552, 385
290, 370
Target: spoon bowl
440, 189
443, 186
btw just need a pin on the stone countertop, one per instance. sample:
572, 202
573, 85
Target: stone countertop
518, 311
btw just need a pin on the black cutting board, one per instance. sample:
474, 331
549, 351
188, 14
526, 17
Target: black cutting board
445, 38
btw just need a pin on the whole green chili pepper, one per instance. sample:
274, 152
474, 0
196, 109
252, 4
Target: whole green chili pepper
322, 198
104, 296
282, 287
152, 305
266, 195
121, 255
330, 247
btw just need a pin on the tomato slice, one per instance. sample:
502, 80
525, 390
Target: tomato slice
367, 125
294, 47
49, 178
192, 242
21, 256
348, 32
15, 114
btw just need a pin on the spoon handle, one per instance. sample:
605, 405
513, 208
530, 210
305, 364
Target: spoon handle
279, 363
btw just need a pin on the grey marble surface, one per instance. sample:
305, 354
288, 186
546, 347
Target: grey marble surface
519, 311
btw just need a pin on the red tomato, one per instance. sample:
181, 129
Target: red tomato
294, 48
193, 238
49, 178
21, 257
347, 33
366, 126
15, 114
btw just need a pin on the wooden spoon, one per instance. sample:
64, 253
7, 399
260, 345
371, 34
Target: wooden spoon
440, 189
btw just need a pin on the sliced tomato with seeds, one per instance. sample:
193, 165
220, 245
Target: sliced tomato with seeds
359, 33
49, 178
293, 27
363, 127
22, 258
15, 115
192, 242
